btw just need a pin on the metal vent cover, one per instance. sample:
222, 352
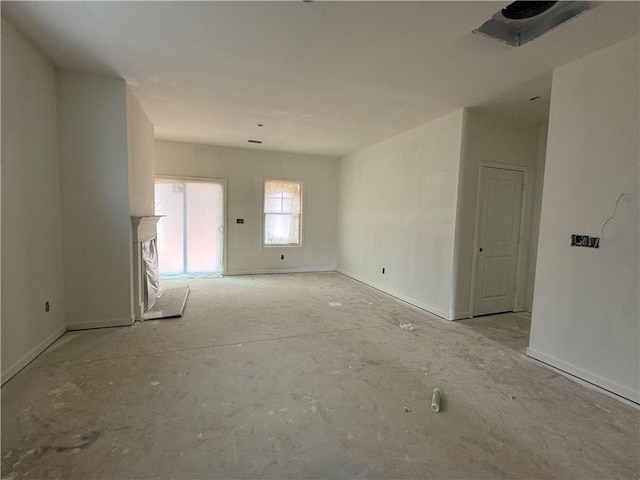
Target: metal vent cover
522, 21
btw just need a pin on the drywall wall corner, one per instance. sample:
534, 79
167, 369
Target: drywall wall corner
93, 155
459, 306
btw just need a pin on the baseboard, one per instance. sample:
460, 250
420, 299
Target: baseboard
461, 316
110, 322
592, 379
279, 270
32, 354
412, 301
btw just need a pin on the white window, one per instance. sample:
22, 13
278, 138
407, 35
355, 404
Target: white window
282, 213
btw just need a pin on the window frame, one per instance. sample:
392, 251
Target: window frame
264, 215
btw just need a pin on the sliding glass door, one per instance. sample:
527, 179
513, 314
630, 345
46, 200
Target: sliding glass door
191, 233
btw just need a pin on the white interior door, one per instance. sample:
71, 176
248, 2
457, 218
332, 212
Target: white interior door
498, 240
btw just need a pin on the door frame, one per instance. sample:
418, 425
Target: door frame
223, 181
476, 237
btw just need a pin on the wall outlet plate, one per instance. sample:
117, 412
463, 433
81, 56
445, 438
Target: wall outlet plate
585, 241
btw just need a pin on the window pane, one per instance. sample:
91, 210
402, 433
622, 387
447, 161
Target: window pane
204, 227
273, 204
169, 202
272, 197
282, 197
287, 204
282, 209
280, 229
291, 197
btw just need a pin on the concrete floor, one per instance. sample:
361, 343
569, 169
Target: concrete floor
508, 329
303, 376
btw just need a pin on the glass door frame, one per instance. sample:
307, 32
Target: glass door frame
220, 181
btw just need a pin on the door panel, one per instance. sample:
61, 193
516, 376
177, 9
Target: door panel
498, 239
170, 203
191, 232
204, 219
495, 278
500, 209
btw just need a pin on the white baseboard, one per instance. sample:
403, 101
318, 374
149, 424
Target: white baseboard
461, 316
412, 301
32, 354
110, 322
578, 373
279, 270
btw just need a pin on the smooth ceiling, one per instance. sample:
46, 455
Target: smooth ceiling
322, 77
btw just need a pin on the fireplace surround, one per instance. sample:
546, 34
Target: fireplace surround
145, 276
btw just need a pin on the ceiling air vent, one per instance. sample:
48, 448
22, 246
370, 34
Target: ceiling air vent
523, 21
522, 10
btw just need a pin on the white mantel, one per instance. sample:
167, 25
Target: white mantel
144, 228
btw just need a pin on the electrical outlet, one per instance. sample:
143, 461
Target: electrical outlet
240, 221
585, 241
46, 307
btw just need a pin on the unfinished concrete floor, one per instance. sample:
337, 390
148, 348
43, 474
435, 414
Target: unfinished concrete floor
303, 376
508, 329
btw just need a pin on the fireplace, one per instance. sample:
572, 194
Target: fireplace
145, 264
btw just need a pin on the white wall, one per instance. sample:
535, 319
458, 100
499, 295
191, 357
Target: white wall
489, 138
585, 309
140, 153
32, 269
537, 206
245, 170
92, 121
397, 207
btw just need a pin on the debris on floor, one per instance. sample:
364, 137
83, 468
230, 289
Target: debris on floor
435, 400
406, 409
407, 326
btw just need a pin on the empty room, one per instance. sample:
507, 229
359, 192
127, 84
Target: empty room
317, 239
